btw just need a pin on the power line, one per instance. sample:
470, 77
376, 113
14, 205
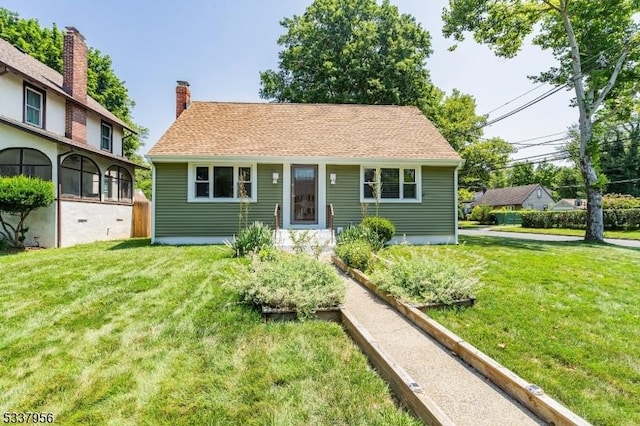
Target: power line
516, 98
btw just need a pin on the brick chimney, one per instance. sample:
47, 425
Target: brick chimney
183, 97
74, 82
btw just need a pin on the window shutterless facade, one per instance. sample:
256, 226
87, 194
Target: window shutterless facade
25, 161
34, 106
390, 184
222, 182
118, 185
106, 137
80, 178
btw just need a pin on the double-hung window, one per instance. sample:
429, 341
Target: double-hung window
222, 183
33, 106
390, 184
106, 137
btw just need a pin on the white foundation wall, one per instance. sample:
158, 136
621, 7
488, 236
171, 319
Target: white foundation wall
89, 222
40, 223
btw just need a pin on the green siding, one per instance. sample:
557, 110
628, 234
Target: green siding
433, 217
175, 217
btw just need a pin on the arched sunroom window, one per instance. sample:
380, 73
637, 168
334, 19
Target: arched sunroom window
118, 185
80, 178
25, 161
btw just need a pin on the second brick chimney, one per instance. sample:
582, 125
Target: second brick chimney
74, 82
183, 97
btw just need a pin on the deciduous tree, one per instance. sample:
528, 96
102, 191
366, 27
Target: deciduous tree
593, 42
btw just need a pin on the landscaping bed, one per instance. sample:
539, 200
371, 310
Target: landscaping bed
562, 315
128, 333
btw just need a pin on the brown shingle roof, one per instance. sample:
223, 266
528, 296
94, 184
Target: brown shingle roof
38, 72
508, 196
303, 130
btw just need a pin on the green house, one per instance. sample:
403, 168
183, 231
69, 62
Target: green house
301, 166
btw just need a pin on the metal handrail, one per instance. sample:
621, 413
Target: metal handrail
276, 221
331, 215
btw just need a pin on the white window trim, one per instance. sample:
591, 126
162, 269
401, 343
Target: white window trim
418, 182
27, 106
191, 181
104, 124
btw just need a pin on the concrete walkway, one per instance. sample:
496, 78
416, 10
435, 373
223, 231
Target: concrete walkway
465, 396
542, 237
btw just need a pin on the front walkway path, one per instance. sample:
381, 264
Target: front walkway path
465, 396
543, 237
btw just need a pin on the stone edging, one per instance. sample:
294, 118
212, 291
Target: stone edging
527, 394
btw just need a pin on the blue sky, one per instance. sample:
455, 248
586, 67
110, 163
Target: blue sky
221, 46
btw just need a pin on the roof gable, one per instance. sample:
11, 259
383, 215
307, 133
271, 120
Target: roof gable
303, 130
515, 195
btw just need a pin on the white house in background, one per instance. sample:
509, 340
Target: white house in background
568, 204
528, 197
51, 128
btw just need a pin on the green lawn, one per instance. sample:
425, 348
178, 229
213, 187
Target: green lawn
565, 316
624, 235
126, 333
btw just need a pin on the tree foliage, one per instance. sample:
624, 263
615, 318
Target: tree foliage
351, 51
19, 196
482, 158
46, 44
594, 43
365, 52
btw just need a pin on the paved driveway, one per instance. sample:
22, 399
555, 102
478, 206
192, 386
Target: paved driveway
542, 237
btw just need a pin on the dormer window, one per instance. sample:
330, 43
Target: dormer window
33, 106
106, 137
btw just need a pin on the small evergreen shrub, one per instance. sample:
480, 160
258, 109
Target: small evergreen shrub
254, 238
356, 254
360, 233
482, 213
19, 196
296, 282
421, 278
383, 227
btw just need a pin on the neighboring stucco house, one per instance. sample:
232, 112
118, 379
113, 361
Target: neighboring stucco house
50, 128
305, 159
530, 197
568, 204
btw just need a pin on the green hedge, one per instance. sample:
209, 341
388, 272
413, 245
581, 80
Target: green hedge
614, 219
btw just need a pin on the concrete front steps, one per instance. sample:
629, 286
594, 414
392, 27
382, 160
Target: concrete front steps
321, 238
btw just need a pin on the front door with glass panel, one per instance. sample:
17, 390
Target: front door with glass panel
304, 200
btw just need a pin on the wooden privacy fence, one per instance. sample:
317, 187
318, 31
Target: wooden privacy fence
141, 216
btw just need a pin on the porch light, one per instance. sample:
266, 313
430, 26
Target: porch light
332, 178
275, 176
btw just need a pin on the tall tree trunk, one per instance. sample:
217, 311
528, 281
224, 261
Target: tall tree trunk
595, 218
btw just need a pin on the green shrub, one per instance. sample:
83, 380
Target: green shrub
360, 233
383, 227
296, 282
254, 238
482, 213
428, 278
19, 196
614, 219
620, 201
356, 254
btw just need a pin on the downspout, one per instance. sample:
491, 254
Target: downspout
58, 201
455, 198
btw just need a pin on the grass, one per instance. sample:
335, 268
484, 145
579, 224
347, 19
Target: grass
623, 235
470, 224
127, 333
564, 316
